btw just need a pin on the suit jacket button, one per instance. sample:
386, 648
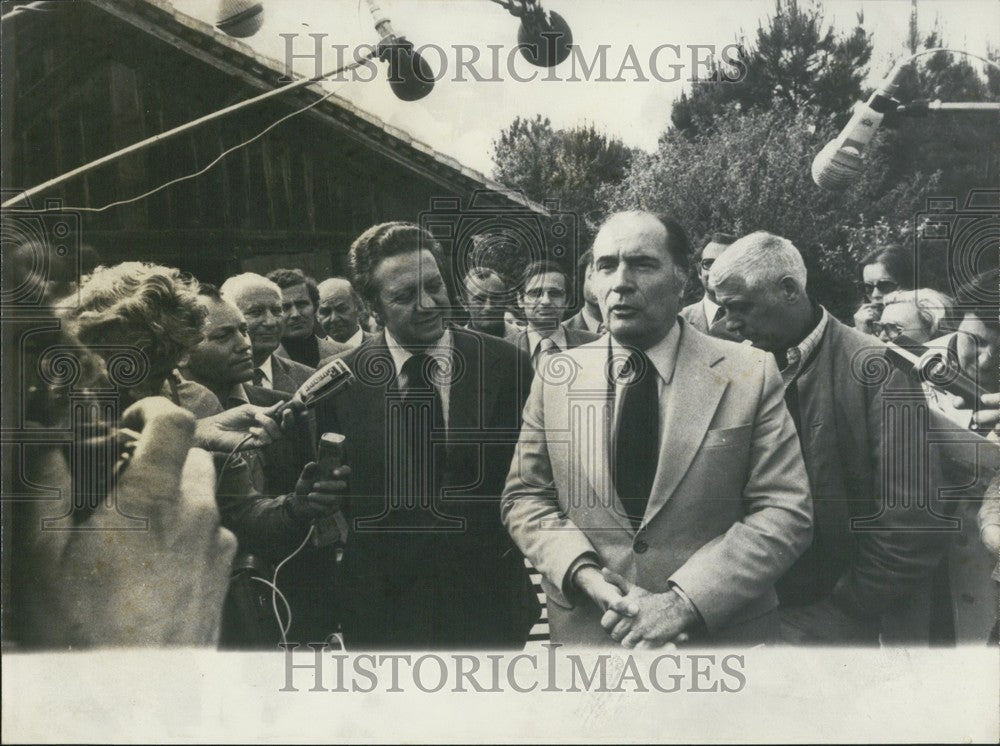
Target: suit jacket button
640, 547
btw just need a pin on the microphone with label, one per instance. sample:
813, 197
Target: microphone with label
325, 382
841, 162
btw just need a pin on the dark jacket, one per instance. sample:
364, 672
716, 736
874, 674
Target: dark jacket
288, 375
878, 527
451, 576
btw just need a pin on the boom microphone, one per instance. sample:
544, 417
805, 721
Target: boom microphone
325, 382
410, 77
544, 37
841, 162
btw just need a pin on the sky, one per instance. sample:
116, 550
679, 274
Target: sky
462, 117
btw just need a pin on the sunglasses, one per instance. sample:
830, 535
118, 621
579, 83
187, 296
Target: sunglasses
884, 286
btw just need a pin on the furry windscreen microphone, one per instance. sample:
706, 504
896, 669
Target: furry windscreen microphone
544, 38
240, 18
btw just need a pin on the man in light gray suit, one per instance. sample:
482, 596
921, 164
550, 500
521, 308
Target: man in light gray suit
676, 518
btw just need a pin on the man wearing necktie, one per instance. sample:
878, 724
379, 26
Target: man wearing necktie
259, 300
430, 424
706, 315
658, 484
543, 297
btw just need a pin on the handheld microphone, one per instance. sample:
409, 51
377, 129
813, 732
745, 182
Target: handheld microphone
325, 382
841, 162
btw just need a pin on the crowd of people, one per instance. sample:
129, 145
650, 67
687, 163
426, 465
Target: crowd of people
746, 469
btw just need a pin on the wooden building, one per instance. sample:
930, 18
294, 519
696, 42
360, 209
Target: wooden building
83, 79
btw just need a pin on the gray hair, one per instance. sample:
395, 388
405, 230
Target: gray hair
760, 259
237, 286
933, 307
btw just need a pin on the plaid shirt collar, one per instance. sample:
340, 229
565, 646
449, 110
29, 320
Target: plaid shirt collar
804, 349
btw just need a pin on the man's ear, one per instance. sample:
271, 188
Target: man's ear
520, 301
789, 289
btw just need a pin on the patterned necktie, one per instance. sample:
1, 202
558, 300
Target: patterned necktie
546, 347
258, 377
637, 438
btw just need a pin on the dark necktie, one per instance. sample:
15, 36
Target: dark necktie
781, 358
637, 439
720, 314
422, 418
258, 377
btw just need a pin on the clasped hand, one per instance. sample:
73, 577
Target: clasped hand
633, 616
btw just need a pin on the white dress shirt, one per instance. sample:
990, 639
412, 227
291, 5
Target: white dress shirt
440, 351
711, 308
268, 371
535, 339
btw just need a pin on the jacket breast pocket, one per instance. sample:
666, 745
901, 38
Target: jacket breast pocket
727, 437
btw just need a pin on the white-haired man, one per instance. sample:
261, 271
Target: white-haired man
259, 299
869, 556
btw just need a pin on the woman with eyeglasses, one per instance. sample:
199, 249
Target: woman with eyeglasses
883, 271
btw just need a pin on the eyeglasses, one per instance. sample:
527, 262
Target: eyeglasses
706, 264
890, 330
884, 286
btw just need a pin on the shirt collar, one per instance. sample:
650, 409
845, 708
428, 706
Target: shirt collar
267, 370
535, 339
663, 355
807, 346
440, 349
357, 338
711, 308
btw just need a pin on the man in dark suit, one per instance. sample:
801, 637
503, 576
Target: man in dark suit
267, 496
299, 299
430, 425
542, 297
706, 315
339, 311
678, 517
485, 294
878, 535
222, 363
588, 319
259, 300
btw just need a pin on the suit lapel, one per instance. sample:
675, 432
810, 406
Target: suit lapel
363, 406
693, 396
467, 407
